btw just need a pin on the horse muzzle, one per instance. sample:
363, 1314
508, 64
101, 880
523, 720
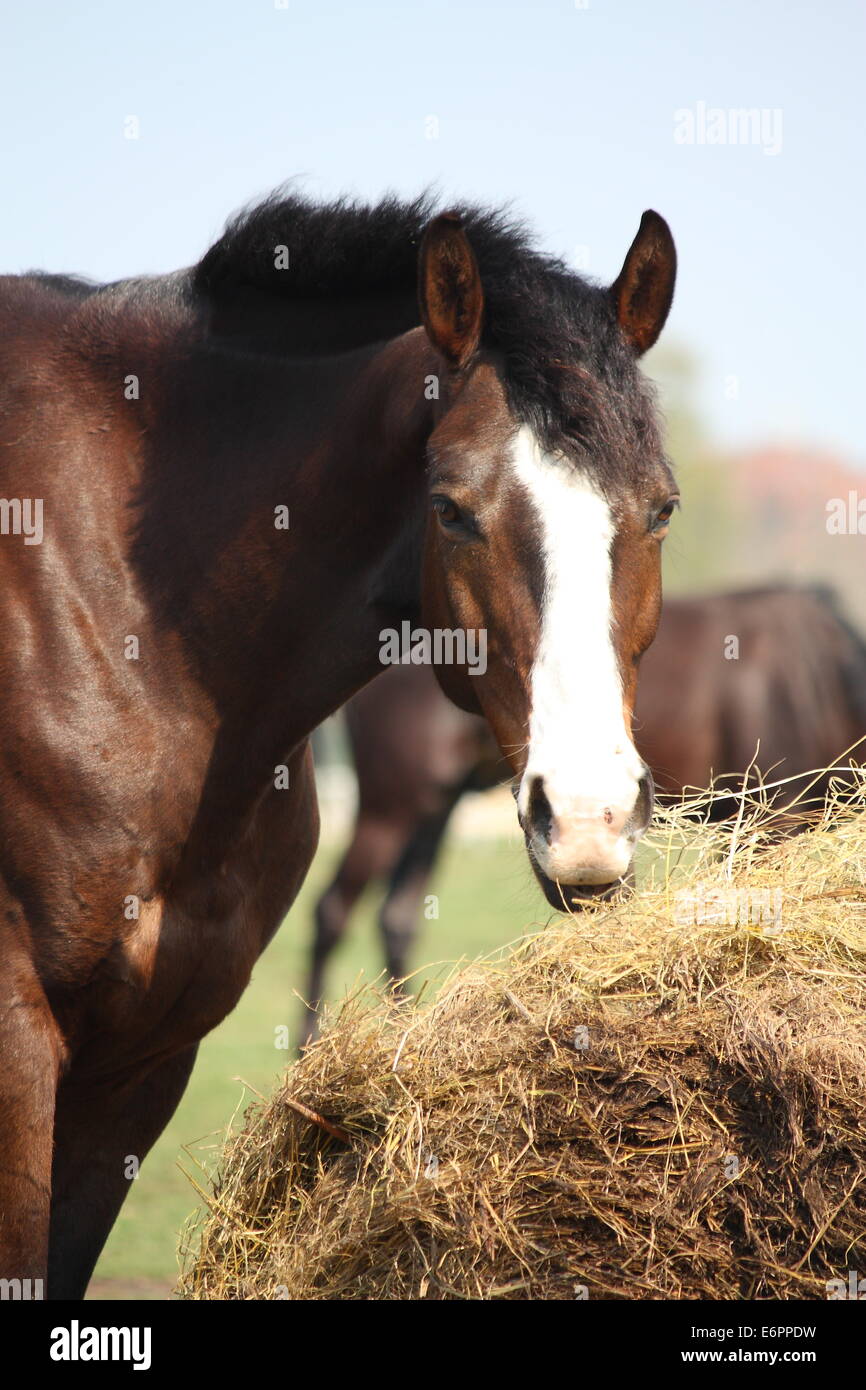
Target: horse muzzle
581, 847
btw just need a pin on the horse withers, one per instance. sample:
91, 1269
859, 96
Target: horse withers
245, 473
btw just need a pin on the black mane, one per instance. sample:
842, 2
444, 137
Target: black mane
569, 371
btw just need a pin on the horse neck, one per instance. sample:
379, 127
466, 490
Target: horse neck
282, 626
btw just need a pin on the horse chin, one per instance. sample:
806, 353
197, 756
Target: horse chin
571, 897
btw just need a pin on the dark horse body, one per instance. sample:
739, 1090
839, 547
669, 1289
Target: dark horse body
168, 647
789, 698
769, 681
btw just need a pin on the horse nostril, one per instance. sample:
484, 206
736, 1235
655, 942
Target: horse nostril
643, 809
540, 812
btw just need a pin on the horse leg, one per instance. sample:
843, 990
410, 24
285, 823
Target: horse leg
102, 1134
373, 849
30, 1050
398, 919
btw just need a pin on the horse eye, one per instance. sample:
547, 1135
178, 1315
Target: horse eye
447, 511
663, 517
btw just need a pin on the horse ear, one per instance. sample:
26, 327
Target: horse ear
449, 290
644, 288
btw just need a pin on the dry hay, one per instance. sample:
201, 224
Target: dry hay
629, 1105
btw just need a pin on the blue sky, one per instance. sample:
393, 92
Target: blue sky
566, 111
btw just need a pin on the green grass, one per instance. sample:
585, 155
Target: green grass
487, 897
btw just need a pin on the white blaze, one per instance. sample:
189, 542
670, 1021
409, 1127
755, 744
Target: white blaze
578, 742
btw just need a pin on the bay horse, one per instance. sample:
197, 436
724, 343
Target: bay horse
769, 685
771, 678
342, 418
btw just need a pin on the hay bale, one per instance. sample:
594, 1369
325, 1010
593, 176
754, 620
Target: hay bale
632, 1104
